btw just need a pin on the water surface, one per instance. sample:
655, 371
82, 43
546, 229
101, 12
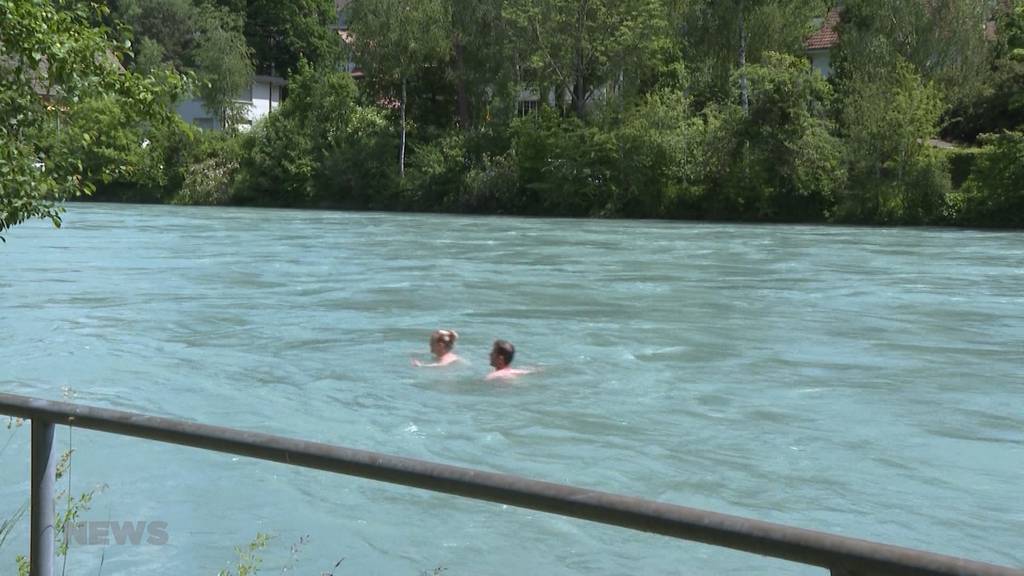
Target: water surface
863, 381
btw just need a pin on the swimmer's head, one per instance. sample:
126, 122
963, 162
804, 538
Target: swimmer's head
442, 341
502, 354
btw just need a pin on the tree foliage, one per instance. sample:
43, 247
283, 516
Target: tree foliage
200, 39
394, 40
640, 108
994, 193
284, 33
720, 36
223, 64
582, 48
943, 40
887, 119
53, 59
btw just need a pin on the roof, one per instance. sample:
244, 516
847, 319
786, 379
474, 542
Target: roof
826, 37
269, 79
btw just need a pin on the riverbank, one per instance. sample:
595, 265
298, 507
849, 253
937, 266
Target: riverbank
657, 158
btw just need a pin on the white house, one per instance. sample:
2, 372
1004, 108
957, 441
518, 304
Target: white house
820, 44
262, 97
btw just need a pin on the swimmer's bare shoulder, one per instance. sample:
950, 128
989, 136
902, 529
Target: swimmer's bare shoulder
444, 361
507, 373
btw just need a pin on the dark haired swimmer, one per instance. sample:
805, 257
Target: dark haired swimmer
501, 357
441, 344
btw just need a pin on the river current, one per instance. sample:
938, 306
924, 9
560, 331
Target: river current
862, 381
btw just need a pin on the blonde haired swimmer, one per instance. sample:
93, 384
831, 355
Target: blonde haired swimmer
502, 354
441, 344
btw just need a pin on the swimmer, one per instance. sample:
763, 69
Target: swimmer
501, 357
441, 344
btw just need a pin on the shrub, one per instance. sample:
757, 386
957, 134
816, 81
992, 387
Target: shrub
360, 172
887, 117
435, 173
564, 166
778, 160
660, 157
994, 193
491, 185
208, 182
285, 153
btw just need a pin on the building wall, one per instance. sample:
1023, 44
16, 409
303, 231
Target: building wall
263, 97
821, 60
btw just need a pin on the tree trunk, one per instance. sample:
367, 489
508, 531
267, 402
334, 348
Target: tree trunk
460, 75
744, 88
401, 116
579, 90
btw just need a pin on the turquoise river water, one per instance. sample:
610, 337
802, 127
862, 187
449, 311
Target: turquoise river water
862, 381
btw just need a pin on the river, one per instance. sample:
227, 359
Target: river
862, 381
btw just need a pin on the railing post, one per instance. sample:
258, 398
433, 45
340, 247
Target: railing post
44, 469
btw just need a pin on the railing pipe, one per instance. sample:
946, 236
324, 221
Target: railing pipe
840, 554
43, 477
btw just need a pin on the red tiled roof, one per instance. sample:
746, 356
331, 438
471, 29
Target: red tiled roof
826, 37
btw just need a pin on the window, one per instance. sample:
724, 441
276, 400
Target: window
246, 94
205, 123
526, 106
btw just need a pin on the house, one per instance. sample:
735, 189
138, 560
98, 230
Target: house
341, 8
263, 95
818, 46
267, 92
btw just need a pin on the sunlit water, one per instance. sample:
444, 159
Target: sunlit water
862, 381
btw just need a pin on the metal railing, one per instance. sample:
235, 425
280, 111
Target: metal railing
841, 555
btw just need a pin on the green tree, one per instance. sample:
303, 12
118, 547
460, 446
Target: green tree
784, 163
162, 30
51, 59
319, 148
886, 119
223, 64
994, 193
481, 67
722, 36
999, 101
203, 40
283, 33
944, 40
395, 39
581, 48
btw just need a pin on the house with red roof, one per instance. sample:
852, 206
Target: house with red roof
818, 46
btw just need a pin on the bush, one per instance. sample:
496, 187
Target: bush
887, 117
779, 160
660, 158
961, 163
564, 166
994, 193
209, 176
284, 154
435, 173
118, 162
362, 171
276, 165
491, 185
